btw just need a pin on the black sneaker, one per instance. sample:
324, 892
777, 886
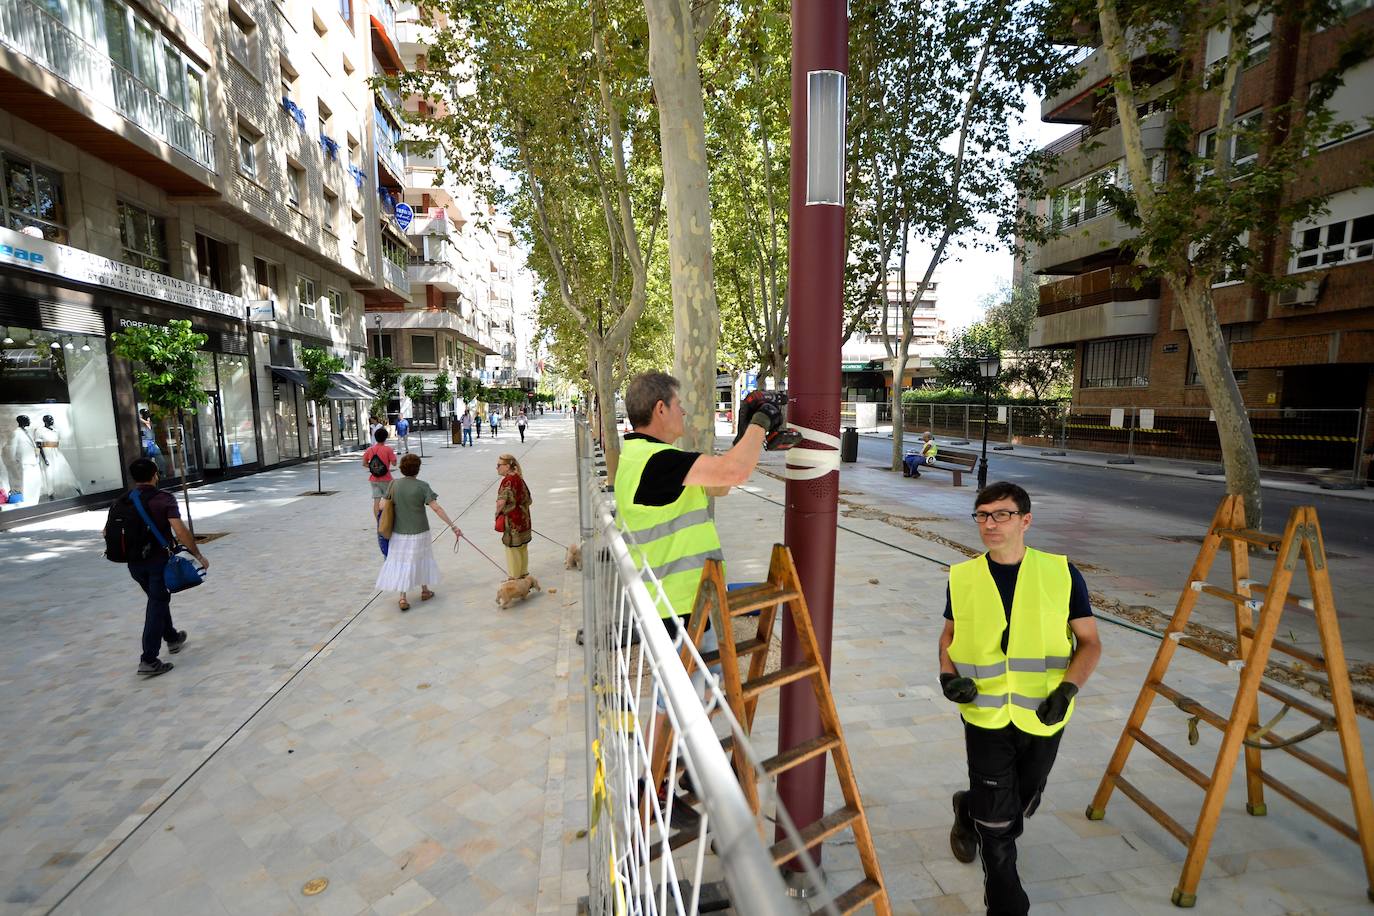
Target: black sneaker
153, 669
174, 645
963, 838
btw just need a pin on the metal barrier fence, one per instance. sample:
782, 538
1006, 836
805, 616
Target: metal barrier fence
649, 855
1286, 439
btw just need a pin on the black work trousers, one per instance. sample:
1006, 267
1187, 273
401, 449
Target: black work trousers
157, 615
1007, 771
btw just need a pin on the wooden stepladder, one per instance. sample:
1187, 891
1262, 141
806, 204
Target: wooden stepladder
721, 607
1301, 541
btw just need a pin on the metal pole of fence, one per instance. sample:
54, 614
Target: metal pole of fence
965, 424
1361, 430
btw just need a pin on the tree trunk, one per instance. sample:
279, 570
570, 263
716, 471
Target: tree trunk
898, 427
682, 123
1238, 455
603, 382
181, 471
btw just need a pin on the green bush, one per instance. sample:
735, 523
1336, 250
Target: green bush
960, 396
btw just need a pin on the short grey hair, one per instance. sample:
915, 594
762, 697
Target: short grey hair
643, 394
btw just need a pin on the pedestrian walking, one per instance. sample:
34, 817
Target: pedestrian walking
495, 420
129, 539
410, 557
513, 516
521, 421
466, 423
379, 458
1018, 645
403, 433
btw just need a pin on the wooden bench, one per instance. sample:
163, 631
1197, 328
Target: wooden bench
953, 461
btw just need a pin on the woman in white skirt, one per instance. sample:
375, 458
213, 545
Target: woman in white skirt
410, 556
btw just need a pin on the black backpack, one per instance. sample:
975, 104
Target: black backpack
127, 538
376, 466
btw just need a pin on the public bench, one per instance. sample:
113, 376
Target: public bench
953, 461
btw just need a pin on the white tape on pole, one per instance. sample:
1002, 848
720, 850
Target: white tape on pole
807, 463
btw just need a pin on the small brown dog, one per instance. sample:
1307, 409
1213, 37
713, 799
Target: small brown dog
574, 558
513, 590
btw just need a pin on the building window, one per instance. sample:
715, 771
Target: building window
1082, 200
335, 300
295, 184
1244, 144
33, 200
1347, 235
1230, 333
359, 233
346, 11
1120, 363
422, 349
266, 277
380, 344
212, 263
1349, 105
243, 38
144, 237
331, 207
305, 296
250, 144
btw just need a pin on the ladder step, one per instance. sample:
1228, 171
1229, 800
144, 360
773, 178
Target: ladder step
756, 597
1301, 602
1188, 705
1316, 661
775, 679
815, 833
865, 892
1156, 812
1253, 602
1169, 757
743, 647
1252, 537
779, 763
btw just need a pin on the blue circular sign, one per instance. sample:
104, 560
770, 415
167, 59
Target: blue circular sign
404, 216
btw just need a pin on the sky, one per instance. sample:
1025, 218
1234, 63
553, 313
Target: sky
970, 275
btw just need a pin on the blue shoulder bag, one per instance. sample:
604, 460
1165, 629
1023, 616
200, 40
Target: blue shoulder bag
180, 573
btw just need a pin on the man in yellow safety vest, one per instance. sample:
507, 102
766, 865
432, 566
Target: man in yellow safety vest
1019, 643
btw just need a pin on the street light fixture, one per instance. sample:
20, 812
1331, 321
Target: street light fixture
988, 368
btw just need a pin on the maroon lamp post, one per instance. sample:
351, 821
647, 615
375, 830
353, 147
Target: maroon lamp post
820, 66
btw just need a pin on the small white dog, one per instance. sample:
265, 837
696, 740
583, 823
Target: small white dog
574, 557
513, 590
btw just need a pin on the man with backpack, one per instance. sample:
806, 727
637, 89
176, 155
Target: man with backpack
128, 539
379, 459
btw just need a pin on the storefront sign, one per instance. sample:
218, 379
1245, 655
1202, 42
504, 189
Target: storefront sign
19, 250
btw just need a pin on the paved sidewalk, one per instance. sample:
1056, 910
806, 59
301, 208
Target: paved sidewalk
433, 761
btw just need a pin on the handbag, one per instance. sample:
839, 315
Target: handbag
501, 522
386, 521
180, 573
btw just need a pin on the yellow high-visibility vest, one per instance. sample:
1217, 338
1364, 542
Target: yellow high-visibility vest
1012, 684
674, 541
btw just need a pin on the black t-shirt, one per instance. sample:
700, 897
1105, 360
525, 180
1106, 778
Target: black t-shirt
661, 483
1004, 574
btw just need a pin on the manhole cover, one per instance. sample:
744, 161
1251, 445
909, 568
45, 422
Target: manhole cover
207, 537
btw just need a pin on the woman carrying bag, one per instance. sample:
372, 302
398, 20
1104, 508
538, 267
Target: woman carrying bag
410, 554
513, 516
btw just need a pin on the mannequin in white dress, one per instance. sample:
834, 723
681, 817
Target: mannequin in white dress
25, 462
61, 481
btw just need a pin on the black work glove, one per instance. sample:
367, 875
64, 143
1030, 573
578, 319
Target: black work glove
769, 416
748, 405
1054, 707
958, 689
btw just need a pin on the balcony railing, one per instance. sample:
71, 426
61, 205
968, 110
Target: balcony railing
387, 152
395, 274
38, 35
1109, 284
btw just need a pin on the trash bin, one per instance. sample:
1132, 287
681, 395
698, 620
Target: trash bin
849, 444
455, 431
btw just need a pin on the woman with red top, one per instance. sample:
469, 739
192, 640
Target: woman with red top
513, 516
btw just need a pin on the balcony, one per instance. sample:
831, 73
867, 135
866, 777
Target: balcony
440, 274
1093, 148
387, 153
434, 320
395, 276
189, 13
1111, 302
383, 17
31, 31
1088, 242
1075, 103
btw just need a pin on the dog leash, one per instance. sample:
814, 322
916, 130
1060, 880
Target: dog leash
463, 537
549, 539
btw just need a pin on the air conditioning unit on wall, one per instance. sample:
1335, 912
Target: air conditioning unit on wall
1302, 295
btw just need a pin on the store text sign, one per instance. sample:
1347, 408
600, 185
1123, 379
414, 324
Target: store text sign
20, 250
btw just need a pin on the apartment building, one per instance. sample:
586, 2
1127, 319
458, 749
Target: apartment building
865, 367
461, 261
221, 163
1311, 347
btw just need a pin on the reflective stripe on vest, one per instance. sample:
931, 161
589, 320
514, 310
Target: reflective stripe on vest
673, 541
1012, 684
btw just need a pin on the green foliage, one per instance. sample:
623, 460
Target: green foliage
414, 386
443, 387
959, 367
319, 365
382, 375
964, 396
165, 364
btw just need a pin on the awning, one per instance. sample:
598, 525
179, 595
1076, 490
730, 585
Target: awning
290, 375
345, 387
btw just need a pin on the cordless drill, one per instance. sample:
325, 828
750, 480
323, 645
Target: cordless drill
771, 405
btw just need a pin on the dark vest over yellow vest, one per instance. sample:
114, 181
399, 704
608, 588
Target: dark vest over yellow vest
674, 541
1012, 684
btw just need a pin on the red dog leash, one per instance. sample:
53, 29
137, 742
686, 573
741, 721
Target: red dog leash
463, 537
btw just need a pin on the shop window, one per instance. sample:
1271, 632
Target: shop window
1120, 363
284, 418
422, 349
144, 237
33, 199
58, 439
306, 297
1230, 333
212, 262
335, 300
